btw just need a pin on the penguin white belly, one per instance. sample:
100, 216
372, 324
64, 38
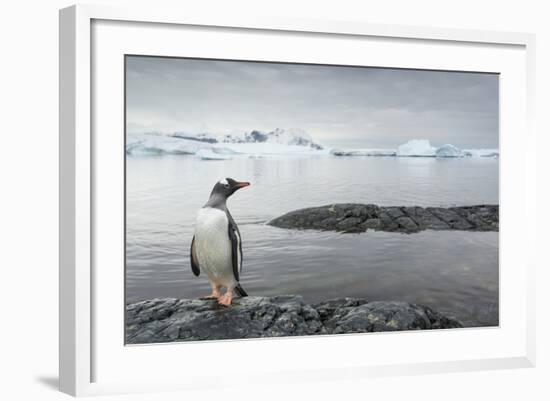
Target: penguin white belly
213, 246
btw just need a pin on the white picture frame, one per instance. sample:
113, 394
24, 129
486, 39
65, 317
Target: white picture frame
84, 349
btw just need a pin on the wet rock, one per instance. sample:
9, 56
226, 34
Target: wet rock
350, 224
384, 316
425, 219
394, 212
353, 218
169, 319
371, 223
451, 218
407, 224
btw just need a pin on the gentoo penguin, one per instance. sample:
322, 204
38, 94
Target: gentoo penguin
216, 246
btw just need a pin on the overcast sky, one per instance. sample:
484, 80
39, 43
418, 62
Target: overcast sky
338, 106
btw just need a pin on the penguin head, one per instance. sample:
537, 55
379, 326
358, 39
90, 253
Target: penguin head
227, 187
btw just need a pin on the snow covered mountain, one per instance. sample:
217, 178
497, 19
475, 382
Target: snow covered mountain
280, 136
198, 137
278, 141
290, 137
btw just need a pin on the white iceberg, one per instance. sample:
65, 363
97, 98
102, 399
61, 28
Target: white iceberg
494, 153
416, 148
449, 150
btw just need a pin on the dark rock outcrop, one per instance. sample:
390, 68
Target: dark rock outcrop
355, 217
170, 319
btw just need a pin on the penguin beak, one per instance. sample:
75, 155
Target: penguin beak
239, 185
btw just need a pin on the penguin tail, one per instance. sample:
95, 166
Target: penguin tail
240, 291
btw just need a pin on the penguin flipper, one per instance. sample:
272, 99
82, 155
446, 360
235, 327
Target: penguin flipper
194, 261
236, 248
240, 291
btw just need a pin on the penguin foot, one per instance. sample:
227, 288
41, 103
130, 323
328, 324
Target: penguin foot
225, 299
211, 296
215, 292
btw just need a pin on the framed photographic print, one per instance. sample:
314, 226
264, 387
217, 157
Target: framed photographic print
276, 189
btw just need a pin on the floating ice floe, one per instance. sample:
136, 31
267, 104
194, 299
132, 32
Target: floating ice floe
449, 150
494, 153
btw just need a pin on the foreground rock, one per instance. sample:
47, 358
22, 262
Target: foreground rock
355, 217
170, 319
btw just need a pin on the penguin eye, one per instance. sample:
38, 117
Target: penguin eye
226, 185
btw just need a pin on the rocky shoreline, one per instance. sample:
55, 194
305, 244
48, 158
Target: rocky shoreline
356, 218
170, 319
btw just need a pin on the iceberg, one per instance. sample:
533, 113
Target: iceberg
494, 153
449, 150
416, 148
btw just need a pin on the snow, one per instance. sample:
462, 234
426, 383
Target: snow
279, 136
209, 154
293, 136
157, 144
416, 148
202, 137
222, 150
449, 150
277, 142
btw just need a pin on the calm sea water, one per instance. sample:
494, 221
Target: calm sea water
454, 272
